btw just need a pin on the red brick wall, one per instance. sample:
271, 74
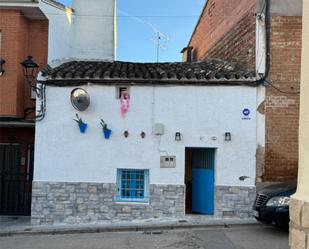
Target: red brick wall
224, 26
9, 23
38, 48
233, 39
23, 47
238, 45
282, 110
20, 37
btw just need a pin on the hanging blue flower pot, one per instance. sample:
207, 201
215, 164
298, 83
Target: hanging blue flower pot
82, 127
107, 133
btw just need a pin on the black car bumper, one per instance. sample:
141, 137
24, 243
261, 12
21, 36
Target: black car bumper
277, 215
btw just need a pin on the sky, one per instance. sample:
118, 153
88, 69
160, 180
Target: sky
138, 20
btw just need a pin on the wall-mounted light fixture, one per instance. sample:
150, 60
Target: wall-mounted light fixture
2, 62
227, 136
30, 68
178, 136
30, 72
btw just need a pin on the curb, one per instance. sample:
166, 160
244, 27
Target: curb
121, 228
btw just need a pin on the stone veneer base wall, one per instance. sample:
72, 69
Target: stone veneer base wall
234, 201
76, 203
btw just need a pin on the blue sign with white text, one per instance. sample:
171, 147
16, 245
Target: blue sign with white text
246, 112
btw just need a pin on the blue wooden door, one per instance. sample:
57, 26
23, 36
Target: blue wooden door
203, 177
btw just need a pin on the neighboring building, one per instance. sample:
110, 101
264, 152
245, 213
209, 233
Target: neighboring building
48, 31
233, 30
189, 134
71, 30
23, 32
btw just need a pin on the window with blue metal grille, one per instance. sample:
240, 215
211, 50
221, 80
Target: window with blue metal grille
133, 185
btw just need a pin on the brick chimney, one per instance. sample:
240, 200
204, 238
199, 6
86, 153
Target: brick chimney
187, 54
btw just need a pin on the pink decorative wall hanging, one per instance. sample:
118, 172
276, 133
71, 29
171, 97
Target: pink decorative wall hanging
124, 103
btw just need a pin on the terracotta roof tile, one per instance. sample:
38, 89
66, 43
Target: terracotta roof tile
211, 70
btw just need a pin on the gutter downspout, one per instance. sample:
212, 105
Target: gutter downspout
262, 72
263, 41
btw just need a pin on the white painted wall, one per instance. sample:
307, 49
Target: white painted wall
261, 120
93, 29
85, 34
199, 113
59, 34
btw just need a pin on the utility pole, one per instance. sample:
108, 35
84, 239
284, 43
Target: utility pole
159, 34
158, 46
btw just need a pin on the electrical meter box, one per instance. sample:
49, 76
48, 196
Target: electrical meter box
168, 162
158, 129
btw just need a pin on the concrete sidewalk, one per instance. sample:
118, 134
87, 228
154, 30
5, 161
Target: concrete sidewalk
211, 237
10, 226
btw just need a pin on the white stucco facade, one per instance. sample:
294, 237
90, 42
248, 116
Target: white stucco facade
72, 30
201, 113
93, 29
59, 31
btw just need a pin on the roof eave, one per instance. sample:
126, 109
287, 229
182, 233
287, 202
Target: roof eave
57, 5
17, 4
112, 81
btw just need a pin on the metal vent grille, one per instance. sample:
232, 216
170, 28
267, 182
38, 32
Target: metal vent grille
260, 200
203, 158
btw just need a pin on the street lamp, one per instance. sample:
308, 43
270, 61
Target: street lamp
30, 72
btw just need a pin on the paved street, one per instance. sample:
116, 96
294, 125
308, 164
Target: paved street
235, 237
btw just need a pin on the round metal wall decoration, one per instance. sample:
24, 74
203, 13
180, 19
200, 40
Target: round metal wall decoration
80, 99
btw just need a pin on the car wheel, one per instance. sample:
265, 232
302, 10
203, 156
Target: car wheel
281, 224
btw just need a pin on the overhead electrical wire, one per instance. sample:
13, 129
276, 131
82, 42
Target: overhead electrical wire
279, 90
112, 16
118, 16
159, 16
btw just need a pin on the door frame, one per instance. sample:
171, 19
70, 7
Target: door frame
19, 183
188, 176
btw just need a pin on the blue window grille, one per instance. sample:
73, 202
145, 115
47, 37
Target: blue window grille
133, 185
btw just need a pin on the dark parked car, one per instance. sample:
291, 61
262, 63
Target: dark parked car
272, 203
